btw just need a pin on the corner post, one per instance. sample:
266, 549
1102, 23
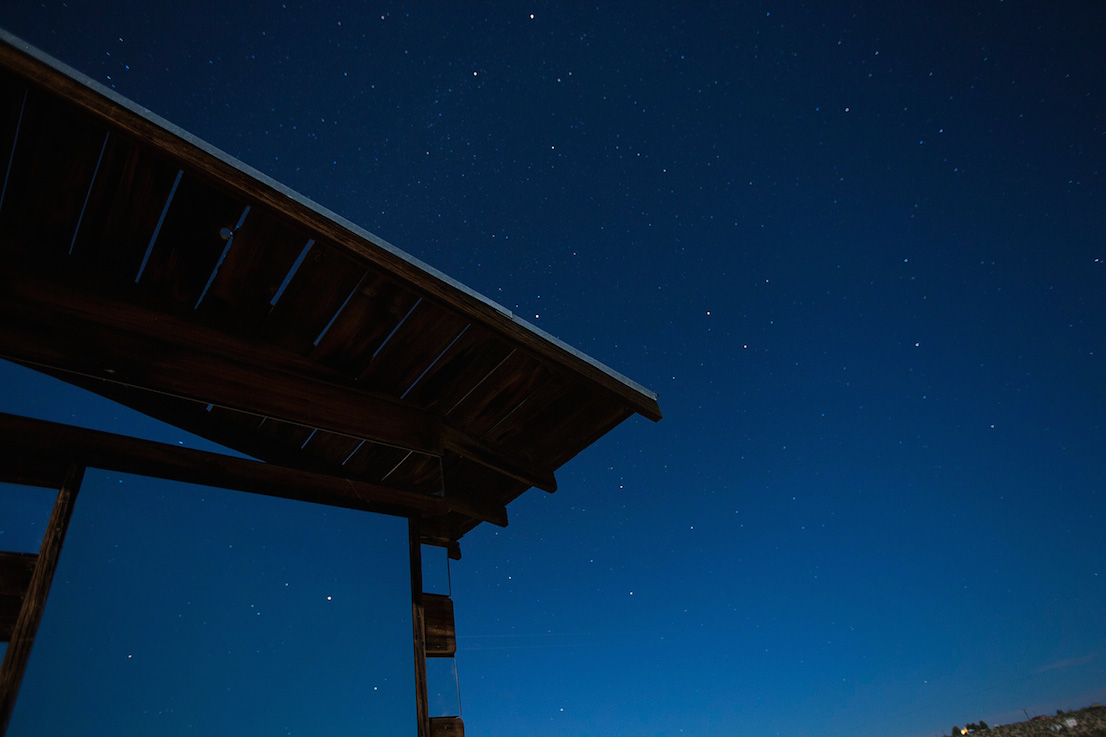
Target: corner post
418, 622
30, 614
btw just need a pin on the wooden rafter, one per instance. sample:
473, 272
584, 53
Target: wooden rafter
33, 441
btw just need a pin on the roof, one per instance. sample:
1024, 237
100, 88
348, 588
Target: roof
143, 264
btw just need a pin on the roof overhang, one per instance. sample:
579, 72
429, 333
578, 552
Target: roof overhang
146, 265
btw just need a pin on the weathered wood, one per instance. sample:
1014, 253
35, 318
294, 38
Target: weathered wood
16, 570
249, 185
49, 178
12, 94
26, 626
69, 328
27, 438
413, 348
447, 727
190, 242
556, 428
506, 388
263, 252
333, 376
74, 330
418, 623
377, 306
418, 471
441, 633
461, 370
123, 209
313, 298
516, 466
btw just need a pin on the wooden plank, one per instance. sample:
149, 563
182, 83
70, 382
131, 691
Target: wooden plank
200, 159
498, 394
418, 625
281, 434
441, 632
49, 177
470, 502
519, 465
312, 299
469, 488
47, 325
377, 306
123, 209
330, 448
12, 91
281, 442
16, 570
26, 626
559, 428
447, 727
556, 388
190, 242
375, 460
27, 438
460, 370
263, 252
418, 472
413, 348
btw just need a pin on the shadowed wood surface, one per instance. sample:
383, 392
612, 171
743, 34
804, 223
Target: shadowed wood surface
441, 633
147, 266
30, 613
447, 727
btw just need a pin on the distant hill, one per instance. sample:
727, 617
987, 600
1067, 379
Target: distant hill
1088, 722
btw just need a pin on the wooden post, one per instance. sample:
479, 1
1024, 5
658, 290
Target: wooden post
422, 699
26, 626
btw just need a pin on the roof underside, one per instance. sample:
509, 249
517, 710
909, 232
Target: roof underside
153, 269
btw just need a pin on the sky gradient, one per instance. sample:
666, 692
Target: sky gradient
858, 251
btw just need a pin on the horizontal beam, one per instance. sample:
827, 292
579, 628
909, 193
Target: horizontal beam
33, 440
54, 325
487, 455
46, 323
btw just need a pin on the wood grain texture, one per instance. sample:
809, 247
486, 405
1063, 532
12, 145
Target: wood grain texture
30, 614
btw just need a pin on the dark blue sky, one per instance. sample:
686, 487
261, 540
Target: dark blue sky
858, 250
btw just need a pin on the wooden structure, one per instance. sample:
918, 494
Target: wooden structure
144, 265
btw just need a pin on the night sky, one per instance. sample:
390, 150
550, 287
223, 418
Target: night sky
858, 249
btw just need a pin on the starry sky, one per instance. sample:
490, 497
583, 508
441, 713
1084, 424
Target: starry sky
857, 250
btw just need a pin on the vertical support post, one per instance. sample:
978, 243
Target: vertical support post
422, 699
30, 614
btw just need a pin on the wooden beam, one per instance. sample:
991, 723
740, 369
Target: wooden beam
23, 635
422, 699
199, 158
492, 457
56, 325
471, 505
34, 441
50, 324
441, 632
447, 727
